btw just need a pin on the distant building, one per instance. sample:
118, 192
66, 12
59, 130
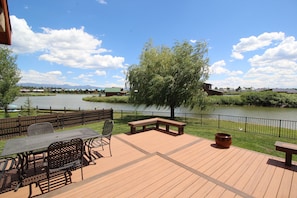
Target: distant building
114, 91
38, 90
207, 88
25, 90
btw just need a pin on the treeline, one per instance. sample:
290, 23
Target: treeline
265, 99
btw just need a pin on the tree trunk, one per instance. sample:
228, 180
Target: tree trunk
172, 113
6, 112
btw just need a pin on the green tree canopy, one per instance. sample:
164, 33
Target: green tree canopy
170, 77
9, 77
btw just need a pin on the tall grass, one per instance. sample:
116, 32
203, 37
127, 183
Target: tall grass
110, 99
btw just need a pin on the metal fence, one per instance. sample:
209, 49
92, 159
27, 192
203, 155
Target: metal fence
281, 128
10, 127
274, 127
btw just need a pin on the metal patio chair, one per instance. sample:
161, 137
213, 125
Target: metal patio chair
6, 164
38, 129
65, 156
103, 139
8, 168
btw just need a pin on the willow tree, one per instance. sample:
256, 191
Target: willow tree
9, 77
170, 77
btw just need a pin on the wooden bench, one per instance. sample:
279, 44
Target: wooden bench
157, 122
288, 148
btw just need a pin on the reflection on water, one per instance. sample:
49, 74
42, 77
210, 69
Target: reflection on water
75, 102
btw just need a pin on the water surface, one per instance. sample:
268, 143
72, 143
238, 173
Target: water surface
75, 102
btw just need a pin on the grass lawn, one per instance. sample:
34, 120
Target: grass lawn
251, 141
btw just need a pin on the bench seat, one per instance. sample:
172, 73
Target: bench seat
288, 148
157, 122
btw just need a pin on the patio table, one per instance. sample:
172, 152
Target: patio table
41, 142
25, 145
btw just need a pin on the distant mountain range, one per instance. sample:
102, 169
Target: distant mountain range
65, 86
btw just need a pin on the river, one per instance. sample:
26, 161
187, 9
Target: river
75, 102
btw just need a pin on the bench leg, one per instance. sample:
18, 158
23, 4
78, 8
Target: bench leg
180, 130
144, 128
133, 129
157, 126
167, 128
288, 159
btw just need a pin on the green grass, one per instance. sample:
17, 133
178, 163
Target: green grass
250, 141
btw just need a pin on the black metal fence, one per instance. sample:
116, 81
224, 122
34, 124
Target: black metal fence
281, 128
274, 127
11, 127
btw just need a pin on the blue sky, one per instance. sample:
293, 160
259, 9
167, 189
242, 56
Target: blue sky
92, 42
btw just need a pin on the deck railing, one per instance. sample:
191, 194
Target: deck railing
274, 127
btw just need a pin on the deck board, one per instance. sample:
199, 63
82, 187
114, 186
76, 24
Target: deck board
155, 164
285, 186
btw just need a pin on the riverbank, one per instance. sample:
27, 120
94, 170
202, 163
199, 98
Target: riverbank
35, 94
261, 99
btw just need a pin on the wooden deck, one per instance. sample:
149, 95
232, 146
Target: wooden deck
155, 164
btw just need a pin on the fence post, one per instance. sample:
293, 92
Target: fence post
57, 121
111, 116
219, 119
245, 124
83, 118
20, 125
280, 127
99, 115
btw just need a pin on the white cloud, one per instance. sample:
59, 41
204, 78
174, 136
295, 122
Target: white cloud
272, 65
86, 79
276, 67
253, 43
102, 1
230, 82
52, 77
100, 73
119, 79
219, 68
68, 47
282, 55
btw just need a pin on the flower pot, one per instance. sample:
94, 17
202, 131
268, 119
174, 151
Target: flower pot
223, 140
